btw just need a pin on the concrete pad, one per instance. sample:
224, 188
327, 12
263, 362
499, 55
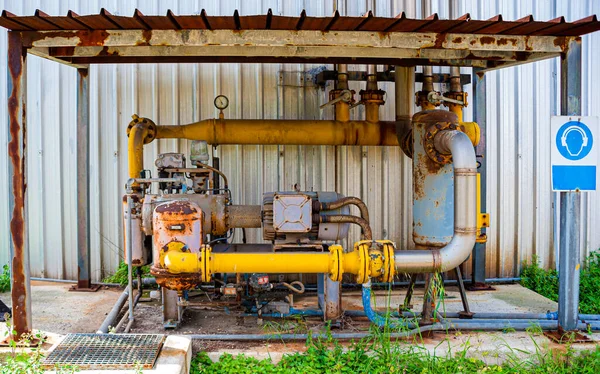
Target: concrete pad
56, 309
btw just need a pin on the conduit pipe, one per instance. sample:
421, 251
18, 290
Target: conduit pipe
339, 218
362, 207
456, 252
114, 313
461, 325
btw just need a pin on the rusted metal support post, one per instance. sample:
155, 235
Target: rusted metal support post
19, 244
84, 282
479, 115
570, 202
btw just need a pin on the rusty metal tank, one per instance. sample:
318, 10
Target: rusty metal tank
177, 226
433, 180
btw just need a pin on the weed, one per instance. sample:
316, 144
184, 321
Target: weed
378, 354
120, 276
29, 359
545, 282
5, 279
287, 326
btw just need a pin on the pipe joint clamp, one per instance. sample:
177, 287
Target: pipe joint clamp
205, 263
336, 264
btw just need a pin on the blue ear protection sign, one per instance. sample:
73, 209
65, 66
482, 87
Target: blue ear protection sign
574, 155
574, 140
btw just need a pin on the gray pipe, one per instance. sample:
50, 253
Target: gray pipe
113, 314
342, 77
129, 244
545, 325
145, 281
455, 85
371, 77
456, 252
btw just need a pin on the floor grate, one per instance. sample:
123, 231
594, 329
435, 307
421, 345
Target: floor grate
106, 351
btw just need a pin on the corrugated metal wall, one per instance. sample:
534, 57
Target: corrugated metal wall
520, 103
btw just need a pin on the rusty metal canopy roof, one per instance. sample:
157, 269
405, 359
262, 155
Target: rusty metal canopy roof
526, 26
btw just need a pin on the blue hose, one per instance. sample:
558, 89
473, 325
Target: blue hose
375, 317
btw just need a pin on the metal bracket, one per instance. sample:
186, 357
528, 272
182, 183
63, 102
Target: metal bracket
91, 288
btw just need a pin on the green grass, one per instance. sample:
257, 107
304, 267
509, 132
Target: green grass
377, 354
545, 282
120, 276
5, 279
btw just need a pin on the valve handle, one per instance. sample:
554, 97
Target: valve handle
345, 96
435, 98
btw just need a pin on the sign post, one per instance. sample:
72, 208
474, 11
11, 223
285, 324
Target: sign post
575, 141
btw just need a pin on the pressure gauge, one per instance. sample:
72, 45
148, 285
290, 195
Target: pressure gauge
221, 102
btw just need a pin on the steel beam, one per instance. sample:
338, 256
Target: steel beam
83, 181
17, 170
478, 257
570, 202
400, 48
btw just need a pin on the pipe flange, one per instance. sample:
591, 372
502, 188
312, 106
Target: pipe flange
152, 128
336, 265
334, 94
389, 264
175, 282
362, 247
421, 99
205, 257
428, 142
372, 96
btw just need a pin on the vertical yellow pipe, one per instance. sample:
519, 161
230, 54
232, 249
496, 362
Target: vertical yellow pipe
135, 150
456, 109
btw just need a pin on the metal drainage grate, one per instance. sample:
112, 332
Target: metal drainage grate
106, 351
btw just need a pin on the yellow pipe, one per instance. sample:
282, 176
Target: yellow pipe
363, 262
285, 132
426, 105
372, 112
342, 111
270, 262
456, 109
135, 151
297, 262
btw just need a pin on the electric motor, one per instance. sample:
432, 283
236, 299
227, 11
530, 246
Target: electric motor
289, 216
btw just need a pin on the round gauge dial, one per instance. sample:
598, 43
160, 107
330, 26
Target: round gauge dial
221, 102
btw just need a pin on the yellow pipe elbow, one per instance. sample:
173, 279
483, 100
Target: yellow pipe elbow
135, 151
472, 130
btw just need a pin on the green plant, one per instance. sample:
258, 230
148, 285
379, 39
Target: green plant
120, 276
5, 279
589, 292
545, 282
26, 355
540, 280
378, 354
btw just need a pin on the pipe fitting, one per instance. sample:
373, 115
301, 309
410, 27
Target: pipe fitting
458, 145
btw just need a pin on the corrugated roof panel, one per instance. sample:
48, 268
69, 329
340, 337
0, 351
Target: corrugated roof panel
107, 21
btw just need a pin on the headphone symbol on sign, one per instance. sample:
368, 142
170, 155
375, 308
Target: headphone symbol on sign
574, 148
